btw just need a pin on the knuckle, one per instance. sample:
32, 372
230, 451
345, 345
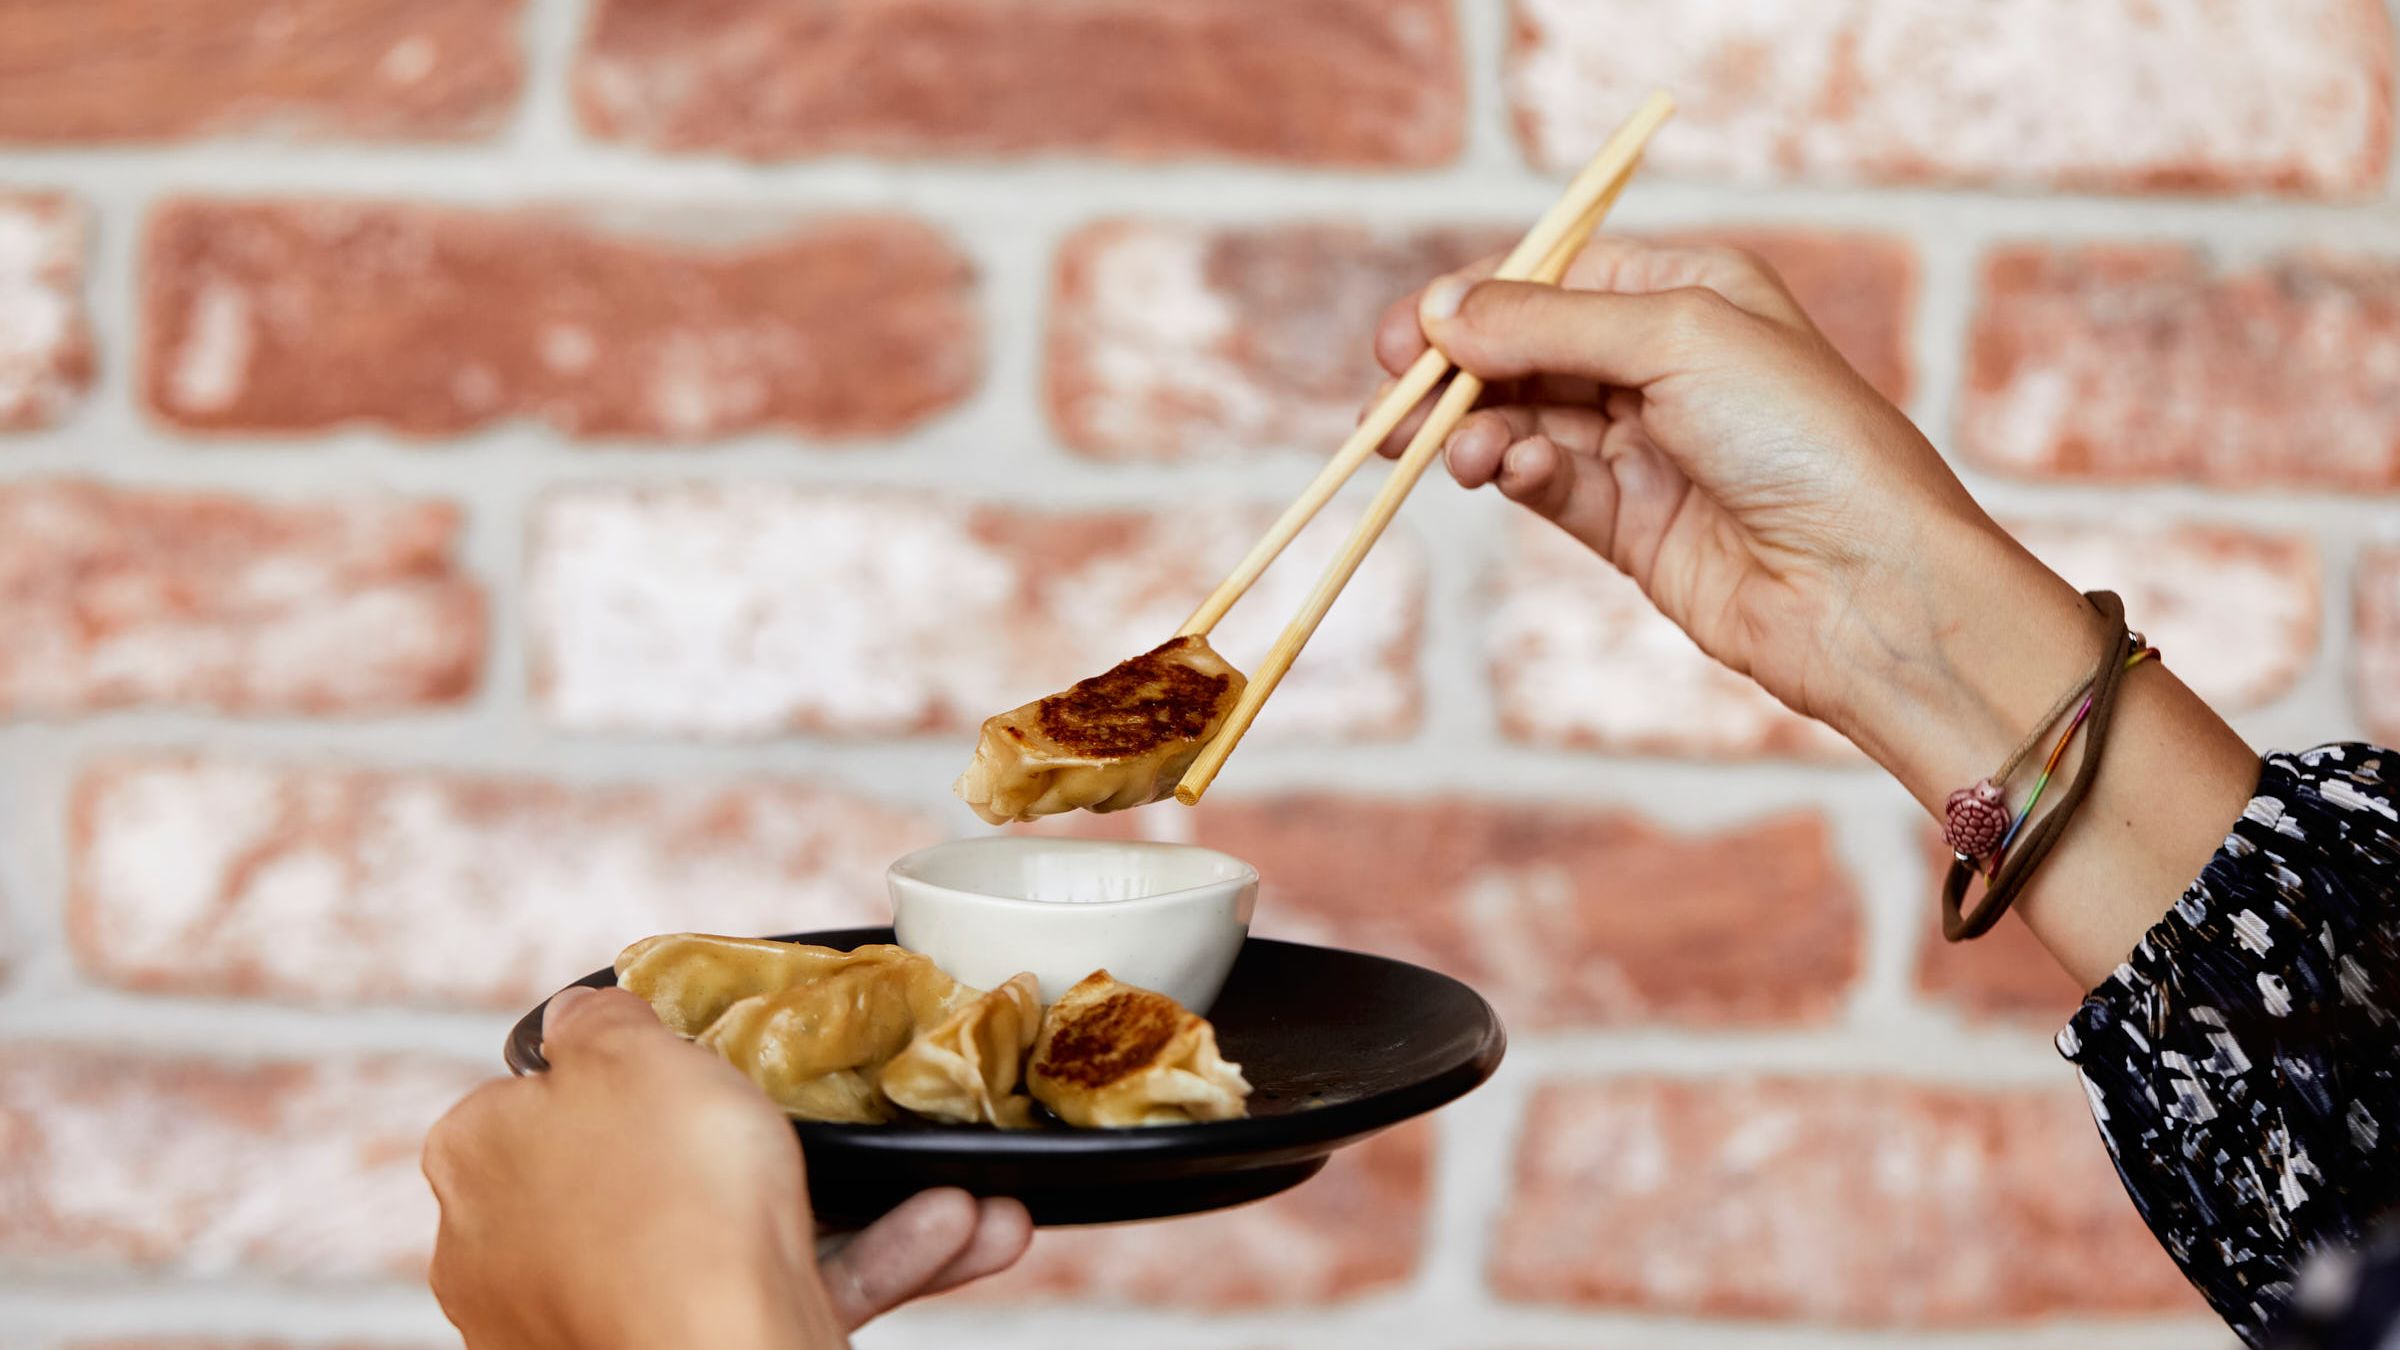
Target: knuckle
1734, 260
439, 1161
452, 1136
1695, 314
1732, 269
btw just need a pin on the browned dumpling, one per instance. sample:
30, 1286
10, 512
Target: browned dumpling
1116, 740
967, 1070
1111, 1055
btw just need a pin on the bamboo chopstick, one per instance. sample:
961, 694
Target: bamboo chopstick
1560, 235
1554, 231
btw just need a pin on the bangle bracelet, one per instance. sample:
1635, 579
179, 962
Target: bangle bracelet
1979, 815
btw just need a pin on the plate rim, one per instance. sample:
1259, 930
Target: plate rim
1311, 1131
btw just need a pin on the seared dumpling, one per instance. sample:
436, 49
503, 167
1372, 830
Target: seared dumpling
1111, 1055
1116, 740
968, 1070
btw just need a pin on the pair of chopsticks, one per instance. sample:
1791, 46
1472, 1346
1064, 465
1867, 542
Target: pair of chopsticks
1544, 255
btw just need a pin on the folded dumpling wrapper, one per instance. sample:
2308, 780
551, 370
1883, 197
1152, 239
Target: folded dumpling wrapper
968, 1069
690, 979
812, 1026
1111, 1055
1116, 740
819, 1048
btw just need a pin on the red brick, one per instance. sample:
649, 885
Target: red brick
45, 335
2145, 362
140, 70
2376, 664
2289, 96
114, 597
1365, 82
743, 612
1176, 340
347, 885
1860, 288
119, 1160
1562, 917
600, 325
1858, 1202
2006, 974
1357, 1227
2235, 613
1579, 658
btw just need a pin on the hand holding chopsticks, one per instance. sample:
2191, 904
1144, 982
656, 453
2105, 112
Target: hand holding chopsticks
1544, 255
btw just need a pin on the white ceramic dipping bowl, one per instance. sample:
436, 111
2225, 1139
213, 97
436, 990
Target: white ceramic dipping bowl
1168, 917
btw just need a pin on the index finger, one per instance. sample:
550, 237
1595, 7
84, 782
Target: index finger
1615, 263
579, 1020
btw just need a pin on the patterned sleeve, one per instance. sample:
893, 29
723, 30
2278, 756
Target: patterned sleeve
2243, 1063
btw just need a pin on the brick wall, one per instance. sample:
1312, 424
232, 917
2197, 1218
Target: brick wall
484, 480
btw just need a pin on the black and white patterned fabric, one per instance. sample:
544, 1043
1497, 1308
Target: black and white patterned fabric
2244, 1062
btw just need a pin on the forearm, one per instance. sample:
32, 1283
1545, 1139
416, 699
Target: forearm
1955, 663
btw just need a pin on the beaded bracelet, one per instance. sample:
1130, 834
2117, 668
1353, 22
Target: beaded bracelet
1977, 823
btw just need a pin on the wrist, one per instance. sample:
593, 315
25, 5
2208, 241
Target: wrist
1953, 662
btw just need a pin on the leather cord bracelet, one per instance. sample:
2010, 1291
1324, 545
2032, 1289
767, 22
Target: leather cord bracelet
2019, 858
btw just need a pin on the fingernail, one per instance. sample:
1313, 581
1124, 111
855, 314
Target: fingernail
1442, 299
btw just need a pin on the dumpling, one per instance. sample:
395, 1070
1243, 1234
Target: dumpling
1111, 1055
692, 978
818, 1047
1116, 740
967, 1070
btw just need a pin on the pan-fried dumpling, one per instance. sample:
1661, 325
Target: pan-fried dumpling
818, 1047
966, 1070
1111, 1055
692, 978
1116, 740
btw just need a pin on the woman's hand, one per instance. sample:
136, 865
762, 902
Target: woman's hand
1674, 410
642, 1193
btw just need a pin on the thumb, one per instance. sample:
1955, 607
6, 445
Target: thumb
1506, 330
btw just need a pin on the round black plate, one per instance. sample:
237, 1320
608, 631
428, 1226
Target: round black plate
1337, 1045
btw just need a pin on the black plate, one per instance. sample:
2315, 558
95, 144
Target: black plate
1336, 1045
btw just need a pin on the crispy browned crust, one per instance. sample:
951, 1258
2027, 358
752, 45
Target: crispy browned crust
1097, 1045
1139, 705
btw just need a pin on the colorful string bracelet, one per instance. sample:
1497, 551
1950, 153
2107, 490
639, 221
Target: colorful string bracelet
2050, 766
